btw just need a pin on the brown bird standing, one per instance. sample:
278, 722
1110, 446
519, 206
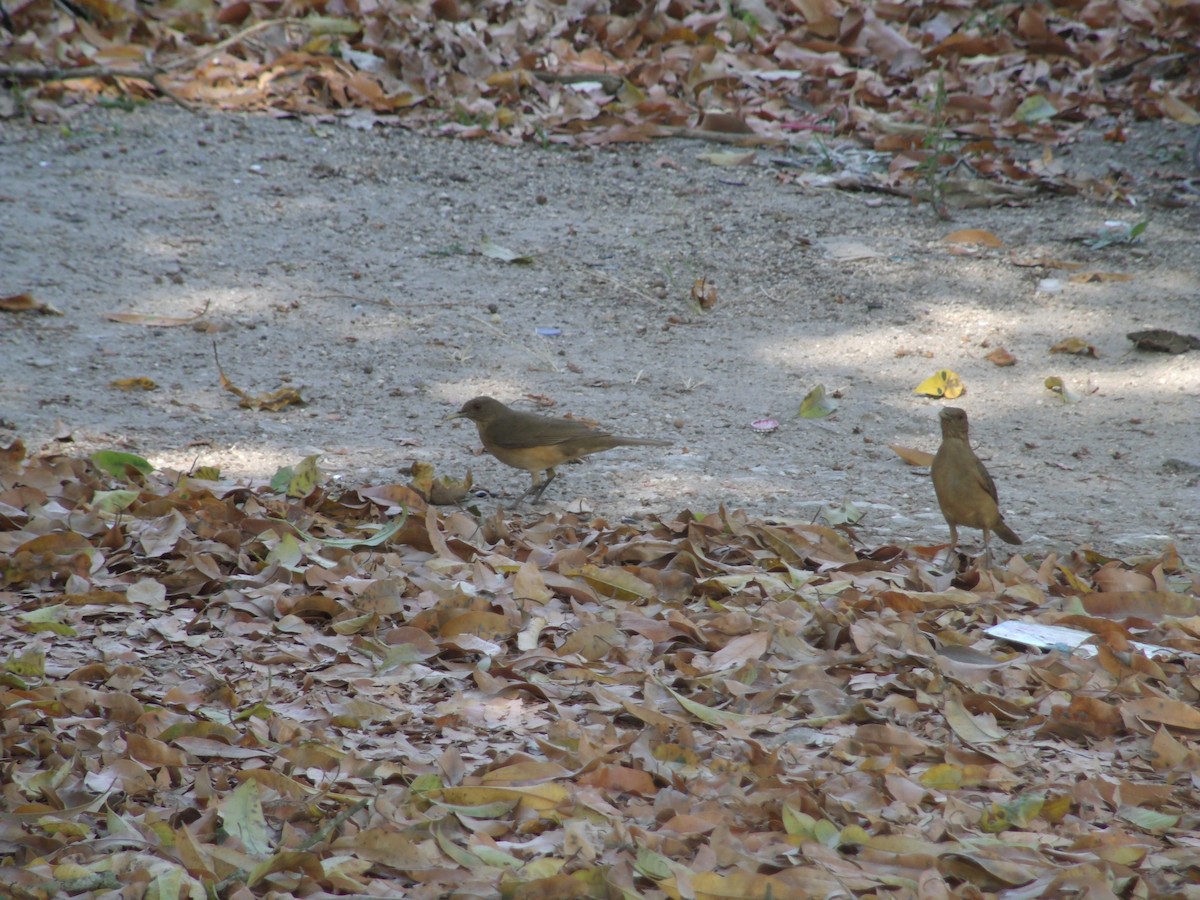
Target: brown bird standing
965, 491
536, 443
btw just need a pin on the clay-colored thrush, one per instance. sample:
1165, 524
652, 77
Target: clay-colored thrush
965, 491
536, 443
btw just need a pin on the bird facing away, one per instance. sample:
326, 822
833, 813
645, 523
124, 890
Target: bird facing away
965, 491
536, 443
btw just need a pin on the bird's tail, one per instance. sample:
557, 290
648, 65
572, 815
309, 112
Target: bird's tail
640, 442
1006, 534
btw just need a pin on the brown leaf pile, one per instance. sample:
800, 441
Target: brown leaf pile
621, 71
210, 689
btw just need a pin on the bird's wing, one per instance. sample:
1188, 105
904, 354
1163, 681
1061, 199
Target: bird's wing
528, 430
985, 480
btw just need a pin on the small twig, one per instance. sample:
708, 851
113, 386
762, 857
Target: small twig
358, 298
545, 356
156, 80
196, 58
336, 822
600, 273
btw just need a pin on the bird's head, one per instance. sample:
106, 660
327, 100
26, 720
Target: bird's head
480, 409
954, 420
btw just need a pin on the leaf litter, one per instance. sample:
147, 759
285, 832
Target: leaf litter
218, 688
912, 81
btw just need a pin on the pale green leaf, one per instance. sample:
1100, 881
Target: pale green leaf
817, 404
242, 817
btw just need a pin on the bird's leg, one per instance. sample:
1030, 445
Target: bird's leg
531, 491
953, 544
541, 488
987, 551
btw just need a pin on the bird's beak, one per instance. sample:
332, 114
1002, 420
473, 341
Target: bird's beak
453, 415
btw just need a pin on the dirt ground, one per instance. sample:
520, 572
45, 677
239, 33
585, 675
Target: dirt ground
347, 263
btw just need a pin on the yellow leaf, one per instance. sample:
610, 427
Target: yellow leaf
134, 384
513, 79
306, 478
817, 405
1056, 384
853, 836
31, 663
973, 236
944, 384
1099, 277
1056, 807
942, 777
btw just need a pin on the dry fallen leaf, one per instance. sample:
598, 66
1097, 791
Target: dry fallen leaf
704, 295
141, 383
26, 303
1001, 357
151, 320
441, 491
1075, 345
473, 705
1099, 277
521, 651
273, 401
911, 456
1179, 110
973, 236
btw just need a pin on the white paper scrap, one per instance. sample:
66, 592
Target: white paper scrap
1056, 637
